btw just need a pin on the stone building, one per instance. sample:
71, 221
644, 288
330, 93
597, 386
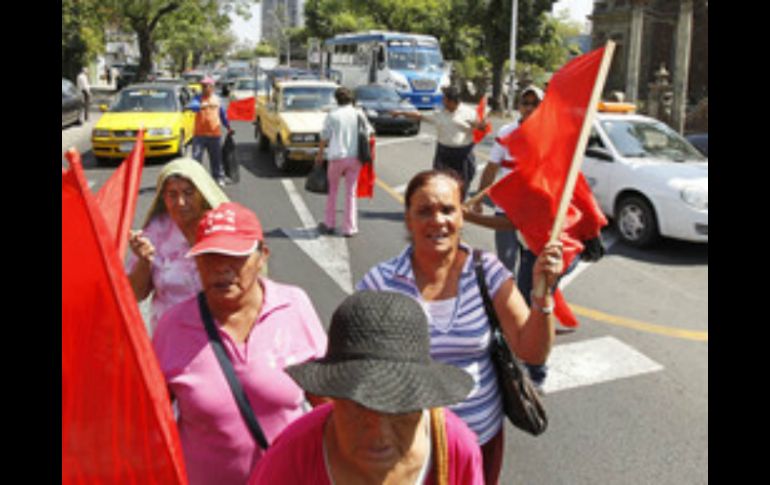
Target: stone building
650, 34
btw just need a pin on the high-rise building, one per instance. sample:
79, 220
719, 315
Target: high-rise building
281, 13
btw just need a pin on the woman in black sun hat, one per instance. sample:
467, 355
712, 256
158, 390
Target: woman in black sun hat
386, 422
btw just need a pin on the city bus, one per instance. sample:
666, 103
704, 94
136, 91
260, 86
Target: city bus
410, 63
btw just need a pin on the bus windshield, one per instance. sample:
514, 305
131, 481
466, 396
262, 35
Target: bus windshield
414, 58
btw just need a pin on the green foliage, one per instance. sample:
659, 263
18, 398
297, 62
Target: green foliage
264, 49
82, 34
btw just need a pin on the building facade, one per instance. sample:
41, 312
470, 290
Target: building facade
290, 13
650, 34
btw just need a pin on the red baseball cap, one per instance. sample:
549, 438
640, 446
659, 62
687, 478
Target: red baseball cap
229, 229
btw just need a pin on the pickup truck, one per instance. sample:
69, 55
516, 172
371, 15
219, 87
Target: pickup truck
291, 118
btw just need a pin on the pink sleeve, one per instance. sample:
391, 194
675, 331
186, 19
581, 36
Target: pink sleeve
465, 467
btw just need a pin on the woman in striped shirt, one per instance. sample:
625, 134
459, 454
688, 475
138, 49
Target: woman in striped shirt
437, 270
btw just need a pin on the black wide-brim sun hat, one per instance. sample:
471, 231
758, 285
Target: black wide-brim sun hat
379, 357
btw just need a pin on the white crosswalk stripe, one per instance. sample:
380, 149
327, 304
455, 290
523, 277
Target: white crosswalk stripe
594, 361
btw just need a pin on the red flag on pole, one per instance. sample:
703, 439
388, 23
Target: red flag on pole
117, 422
481, 110
544, 146
117, 197
242, 109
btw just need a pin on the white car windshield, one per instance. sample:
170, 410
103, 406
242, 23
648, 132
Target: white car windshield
308, 98
644, 139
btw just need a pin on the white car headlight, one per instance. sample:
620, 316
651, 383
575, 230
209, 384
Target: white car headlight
100, 133
697, 197
371, 113
159, 131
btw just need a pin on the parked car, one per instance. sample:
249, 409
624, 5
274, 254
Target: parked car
700, 141
73, 107
159, 108
647, 178
378, 101
291, 120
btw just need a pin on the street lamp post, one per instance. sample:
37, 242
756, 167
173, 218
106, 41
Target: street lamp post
512, 85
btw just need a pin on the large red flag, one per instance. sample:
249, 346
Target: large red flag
242, 109
117, 422
543, 147
117, 197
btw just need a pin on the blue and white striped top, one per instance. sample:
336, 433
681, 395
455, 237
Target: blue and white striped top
465, 343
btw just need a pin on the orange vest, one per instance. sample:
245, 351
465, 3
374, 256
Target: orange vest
207, 121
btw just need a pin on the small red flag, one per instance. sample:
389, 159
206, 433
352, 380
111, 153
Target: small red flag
543, 147
366, 176
481, 110
242, 109
117, 197
117, 422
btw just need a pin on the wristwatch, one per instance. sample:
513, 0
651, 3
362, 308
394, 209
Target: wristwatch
547, 310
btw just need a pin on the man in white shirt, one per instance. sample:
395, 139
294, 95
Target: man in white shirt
85, 88
500, 164
454, 135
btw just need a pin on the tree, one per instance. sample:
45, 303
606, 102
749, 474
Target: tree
498, 32
147, 17
82, 34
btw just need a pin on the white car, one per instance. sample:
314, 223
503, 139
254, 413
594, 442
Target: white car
247, 87
647, 178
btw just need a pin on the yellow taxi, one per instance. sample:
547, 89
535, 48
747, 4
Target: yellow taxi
158, 108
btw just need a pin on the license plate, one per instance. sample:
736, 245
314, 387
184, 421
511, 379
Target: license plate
426, 99
126, 147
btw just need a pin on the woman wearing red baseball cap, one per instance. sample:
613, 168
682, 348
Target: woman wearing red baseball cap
263, 327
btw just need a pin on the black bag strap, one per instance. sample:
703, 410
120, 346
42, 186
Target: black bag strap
482, 282
227, 367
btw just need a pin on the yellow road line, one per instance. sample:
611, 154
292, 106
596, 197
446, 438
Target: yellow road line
387, 188
696, 335
598, 316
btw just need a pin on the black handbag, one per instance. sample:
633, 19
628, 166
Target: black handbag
232, 380
229, 161
317, 180
364, 151
521, 403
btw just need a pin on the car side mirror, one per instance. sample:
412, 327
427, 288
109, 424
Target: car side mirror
600, 154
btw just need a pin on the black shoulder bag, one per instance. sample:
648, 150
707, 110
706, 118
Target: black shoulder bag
364, 151
227, 367
521, 402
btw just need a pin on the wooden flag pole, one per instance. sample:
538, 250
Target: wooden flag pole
577, 157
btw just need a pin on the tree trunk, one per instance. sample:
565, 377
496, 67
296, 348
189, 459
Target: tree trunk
146, 48
496, 103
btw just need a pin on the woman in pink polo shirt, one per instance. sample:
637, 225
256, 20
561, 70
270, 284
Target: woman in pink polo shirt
264, 327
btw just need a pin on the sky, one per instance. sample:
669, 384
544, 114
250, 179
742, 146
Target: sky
578, 9
250, 30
